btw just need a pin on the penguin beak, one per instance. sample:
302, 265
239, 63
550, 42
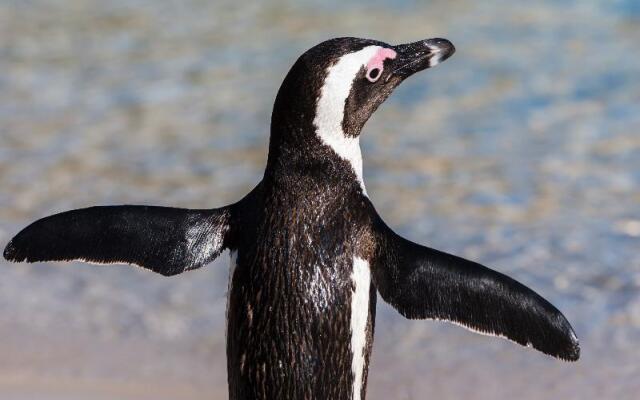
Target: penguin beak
414, 57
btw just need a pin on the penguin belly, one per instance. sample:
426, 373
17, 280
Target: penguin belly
300, 323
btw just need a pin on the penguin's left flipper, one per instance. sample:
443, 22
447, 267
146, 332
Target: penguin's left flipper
425, 283
162, 239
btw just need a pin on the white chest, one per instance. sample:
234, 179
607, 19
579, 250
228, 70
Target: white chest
361, 279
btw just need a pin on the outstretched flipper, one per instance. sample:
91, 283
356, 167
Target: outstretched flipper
165, 240
421, 282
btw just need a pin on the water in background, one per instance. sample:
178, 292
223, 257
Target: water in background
521, 152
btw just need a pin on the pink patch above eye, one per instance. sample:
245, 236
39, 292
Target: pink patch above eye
378, 59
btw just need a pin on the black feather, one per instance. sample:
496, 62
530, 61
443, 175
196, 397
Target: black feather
162, 239
425, 283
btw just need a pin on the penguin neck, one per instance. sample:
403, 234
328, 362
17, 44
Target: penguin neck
345, 147
308, 136
327, 155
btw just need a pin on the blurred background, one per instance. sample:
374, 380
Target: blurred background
521, 152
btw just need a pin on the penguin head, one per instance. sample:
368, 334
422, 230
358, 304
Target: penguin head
364, 73
342, 81
332, 90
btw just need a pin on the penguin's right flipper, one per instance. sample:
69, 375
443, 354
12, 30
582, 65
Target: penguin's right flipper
165, 240
421, 282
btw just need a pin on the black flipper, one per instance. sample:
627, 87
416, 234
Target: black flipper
165, 240
421, 282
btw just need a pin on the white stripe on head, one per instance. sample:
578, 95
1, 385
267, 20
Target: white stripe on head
330, 109
361, 278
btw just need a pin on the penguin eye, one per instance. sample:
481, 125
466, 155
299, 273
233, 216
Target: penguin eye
375, 66
373, 74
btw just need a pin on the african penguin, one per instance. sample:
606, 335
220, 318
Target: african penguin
309, 252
